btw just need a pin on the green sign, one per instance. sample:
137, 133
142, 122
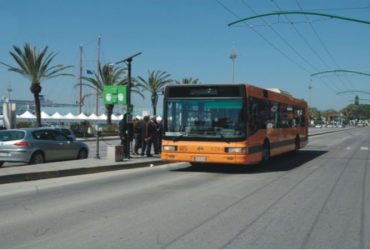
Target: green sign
115, 94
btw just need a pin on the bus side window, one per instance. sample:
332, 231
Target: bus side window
274, 114
253, 115
299, 116
259, 113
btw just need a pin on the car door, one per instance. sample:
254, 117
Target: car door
45, 141
67, 149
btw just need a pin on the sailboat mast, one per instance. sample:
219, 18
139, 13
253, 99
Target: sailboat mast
81, 69
97, 70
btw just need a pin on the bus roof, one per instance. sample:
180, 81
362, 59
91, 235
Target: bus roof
274, 94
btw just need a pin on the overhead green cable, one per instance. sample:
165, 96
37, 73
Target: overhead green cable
340, 71
294, 12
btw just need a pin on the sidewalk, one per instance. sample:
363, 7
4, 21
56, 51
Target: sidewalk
87, 166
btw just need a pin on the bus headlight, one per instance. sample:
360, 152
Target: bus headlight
236, 150
169, 148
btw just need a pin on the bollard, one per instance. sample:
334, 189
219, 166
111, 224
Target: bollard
97, 156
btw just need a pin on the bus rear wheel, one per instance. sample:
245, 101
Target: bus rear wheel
266, 154
297, 144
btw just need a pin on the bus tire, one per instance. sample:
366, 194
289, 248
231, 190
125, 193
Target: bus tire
297, 144
196, 164
266, 153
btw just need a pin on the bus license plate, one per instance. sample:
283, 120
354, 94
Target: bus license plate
200, 158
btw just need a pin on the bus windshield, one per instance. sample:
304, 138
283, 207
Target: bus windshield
217, 119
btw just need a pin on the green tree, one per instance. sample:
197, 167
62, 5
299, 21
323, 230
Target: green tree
36, 66
189, 80
108, 75
155, 83
314, 114
353, 111
330, 115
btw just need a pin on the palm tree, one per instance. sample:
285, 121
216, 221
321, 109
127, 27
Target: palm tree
109, 75
35, 66
188, 81
156, 82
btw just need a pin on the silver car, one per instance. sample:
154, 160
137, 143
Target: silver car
38, 145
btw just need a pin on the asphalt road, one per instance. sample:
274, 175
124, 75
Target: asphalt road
317, 198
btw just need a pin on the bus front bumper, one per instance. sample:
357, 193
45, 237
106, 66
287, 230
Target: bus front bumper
229, 158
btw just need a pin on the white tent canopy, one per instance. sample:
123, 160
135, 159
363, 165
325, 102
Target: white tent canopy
93, 117
44, 115
27, 115
69, 116
57, 116
115, 118
82, 116
103, 117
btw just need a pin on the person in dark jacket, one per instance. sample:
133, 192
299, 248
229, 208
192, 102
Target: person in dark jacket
123, 134
147, 136
137, 134
159, 133
143, 132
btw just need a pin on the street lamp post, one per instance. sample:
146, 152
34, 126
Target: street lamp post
128, 62
233, 56
9, 89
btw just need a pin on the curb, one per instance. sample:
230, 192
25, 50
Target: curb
76, 171
328, 132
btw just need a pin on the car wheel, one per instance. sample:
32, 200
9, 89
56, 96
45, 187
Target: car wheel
37, 158
82, 154
1, 163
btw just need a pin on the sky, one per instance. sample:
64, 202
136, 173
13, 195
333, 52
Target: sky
191, 38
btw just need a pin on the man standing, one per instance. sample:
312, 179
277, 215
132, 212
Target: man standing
147, 135
124, 128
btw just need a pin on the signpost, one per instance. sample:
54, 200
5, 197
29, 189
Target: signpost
118, 94
128, 62
115, 94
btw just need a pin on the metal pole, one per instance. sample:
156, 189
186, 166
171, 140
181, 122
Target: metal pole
97, 70
97, 156
233, 56
128, 117
81, 69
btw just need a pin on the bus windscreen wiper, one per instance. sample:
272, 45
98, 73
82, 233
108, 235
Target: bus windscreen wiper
222, 136
176, 138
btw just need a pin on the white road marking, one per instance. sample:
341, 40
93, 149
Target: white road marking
364, 148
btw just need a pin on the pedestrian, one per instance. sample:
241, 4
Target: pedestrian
137, 134
143, 126
147, 130
159, 133
155, 138
123, 134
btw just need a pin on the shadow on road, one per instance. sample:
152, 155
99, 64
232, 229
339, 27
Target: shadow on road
283, 162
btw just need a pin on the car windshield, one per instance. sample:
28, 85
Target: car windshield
205, 119
7, 135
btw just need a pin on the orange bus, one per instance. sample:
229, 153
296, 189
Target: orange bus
233, 124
